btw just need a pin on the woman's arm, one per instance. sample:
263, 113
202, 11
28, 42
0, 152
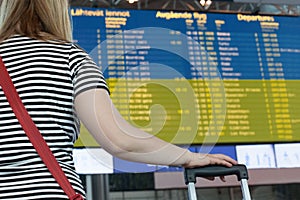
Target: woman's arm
118, 137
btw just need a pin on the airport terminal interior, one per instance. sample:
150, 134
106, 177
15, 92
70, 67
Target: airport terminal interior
213, 76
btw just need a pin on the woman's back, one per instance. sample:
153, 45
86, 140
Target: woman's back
43, 74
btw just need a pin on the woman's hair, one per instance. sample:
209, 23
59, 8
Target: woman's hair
40, 19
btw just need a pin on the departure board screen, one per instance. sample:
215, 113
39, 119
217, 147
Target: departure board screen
195, 78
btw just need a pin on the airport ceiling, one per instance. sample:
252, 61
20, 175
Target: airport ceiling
275, 7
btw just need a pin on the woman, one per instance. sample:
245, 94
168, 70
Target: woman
58, 82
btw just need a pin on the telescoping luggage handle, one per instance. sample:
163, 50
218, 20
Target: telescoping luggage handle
191, 174
215, 170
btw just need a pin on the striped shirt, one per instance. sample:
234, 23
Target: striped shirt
47, 76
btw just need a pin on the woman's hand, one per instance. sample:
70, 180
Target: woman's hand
199, 160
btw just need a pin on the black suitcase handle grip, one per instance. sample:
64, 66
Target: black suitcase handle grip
190, 174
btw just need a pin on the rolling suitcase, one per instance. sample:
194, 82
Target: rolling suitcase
240, 171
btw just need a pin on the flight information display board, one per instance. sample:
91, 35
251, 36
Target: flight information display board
195, 78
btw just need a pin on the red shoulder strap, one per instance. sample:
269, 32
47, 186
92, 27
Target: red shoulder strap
34, 134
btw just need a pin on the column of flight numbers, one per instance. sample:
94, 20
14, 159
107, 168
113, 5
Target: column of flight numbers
278, 96
278, 86
116, 70
115, 53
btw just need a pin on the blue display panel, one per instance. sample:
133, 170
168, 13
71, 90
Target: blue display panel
198, 78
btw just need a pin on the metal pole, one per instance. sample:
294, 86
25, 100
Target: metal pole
245, 189
192, 191
89, 187
101, 187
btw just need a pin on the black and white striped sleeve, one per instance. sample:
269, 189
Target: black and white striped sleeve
86, 74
